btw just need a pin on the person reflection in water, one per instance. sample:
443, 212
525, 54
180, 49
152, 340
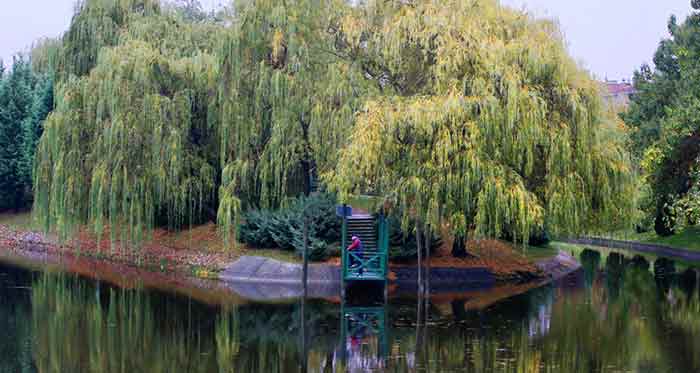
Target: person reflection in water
360, 334
358, 342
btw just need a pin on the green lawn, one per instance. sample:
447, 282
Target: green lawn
536, 253
363, 203
551, 250
686, 239
20, 221
575, 251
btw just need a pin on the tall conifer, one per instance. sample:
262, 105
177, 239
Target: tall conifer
15, 105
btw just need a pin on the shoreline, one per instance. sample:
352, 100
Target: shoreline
260, 270
248, 277
639, 247
226, 294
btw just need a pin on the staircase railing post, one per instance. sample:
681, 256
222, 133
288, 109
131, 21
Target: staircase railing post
383, 246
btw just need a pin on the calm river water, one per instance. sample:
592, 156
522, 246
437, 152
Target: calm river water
617, 318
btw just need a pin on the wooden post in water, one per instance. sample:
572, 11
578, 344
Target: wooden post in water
306, 254
428, 235
305, 218
343, 244
305, 280
419, 244
304, 358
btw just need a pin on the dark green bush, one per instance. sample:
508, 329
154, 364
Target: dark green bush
284, 228
540, 237
255, 231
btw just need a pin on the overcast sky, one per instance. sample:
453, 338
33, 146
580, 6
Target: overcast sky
609, 37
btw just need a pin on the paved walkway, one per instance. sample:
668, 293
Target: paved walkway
648, 248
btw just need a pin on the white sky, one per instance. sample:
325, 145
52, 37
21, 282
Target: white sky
611, 38
24, 21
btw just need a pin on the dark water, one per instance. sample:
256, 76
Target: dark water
623, 318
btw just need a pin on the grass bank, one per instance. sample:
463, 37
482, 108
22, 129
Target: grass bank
200, 250
19, 221
689, 238
575, 250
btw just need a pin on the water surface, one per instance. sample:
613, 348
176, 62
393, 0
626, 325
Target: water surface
615, 316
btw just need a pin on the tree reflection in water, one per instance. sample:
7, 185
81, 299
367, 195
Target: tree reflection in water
621, 318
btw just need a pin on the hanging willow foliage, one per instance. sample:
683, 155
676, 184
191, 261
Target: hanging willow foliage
287, 102
97, 24
460, 110
171, 111
486, 123
127, 144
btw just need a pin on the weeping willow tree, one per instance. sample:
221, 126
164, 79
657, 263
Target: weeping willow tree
484, 122
162, 120
128, 143
287, 102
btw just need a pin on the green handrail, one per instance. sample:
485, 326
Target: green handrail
371, 265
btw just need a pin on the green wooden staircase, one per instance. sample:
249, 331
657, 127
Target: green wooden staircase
373, 260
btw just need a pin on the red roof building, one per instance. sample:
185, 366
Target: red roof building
618, 94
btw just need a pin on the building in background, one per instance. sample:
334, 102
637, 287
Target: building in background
618, 94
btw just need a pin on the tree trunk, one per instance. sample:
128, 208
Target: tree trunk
428, 236
420, 258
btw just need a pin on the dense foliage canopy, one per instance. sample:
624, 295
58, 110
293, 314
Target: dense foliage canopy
462, 112
484, 122
665, 114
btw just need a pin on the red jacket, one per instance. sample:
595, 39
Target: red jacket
355, 245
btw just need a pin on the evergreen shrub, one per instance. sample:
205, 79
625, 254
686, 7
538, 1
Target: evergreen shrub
284, 228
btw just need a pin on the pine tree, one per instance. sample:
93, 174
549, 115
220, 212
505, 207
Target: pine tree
15, 105
33, 125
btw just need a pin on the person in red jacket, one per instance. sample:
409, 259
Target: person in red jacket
356, 248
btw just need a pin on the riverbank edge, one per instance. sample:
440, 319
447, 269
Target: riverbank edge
285, 274
260, 270
641, 247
